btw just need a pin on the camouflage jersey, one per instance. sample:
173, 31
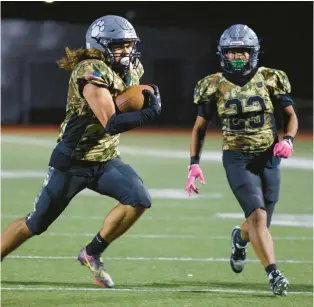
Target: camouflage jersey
246, 112
81, 134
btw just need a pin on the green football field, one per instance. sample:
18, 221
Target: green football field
177, 254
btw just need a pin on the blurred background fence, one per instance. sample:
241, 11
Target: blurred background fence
175, 57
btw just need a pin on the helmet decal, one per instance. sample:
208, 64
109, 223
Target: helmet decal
97, 28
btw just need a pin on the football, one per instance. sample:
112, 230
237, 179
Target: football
132, 99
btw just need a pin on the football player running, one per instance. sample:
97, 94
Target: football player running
86, 154
249, 101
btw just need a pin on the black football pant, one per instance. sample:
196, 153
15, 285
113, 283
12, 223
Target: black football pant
254, 179
113, 178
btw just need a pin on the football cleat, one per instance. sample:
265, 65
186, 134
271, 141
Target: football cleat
238, 254
96, 266
278, 283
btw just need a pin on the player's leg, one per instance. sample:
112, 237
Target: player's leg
260, 237
270, 178
121, 182
56, 192
247, 187
15, 234
119, 220
271, 186
244, 233
234, 164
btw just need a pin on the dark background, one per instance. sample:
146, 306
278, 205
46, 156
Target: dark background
286, 30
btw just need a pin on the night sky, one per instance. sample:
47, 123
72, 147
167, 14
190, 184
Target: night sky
286, 28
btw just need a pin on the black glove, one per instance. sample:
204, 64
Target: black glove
154, 101
119, 123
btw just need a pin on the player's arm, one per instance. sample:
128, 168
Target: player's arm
284, 105
280, 89
290, 121
101, 103
94, 78
284, 148
205, 112
204, 98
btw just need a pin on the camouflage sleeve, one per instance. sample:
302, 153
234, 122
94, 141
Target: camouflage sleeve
279, 87
277, 82
204, 89
140, 70
95, 72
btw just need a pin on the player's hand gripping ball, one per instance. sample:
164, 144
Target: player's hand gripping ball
132, 99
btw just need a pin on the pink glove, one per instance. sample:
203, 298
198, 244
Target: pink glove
195, 172
283, 149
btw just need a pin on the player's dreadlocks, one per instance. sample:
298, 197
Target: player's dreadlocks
73, 57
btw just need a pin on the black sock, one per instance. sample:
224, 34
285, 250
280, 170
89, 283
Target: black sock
96, 246
270, 268
239, 240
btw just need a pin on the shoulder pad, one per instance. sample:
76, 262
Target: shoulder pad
95, 72
140, 70
276, 80
205, 87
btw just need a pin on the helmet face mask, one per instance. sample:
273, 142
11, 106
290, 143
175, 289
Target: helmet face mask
243, 38
120, 60
109, 31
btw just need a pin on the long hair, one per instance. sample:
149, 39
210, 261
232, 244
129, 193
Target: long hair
73, 57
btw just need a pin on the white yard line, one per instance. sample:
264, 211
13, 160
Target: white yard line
291, 220
155, 193
210, 259
22, 174
214, 156
155, 290
144, 218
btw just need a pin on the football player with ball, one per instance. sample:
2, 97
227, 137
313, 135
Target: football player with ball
86, 154
249, 101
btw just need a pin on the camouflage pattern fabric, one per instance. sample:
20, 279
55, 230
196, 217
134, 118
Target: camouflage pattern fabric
94, 144
246, 112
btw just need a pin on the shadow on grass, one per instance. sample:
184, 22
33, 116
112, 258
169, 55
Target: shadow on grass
219, 285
